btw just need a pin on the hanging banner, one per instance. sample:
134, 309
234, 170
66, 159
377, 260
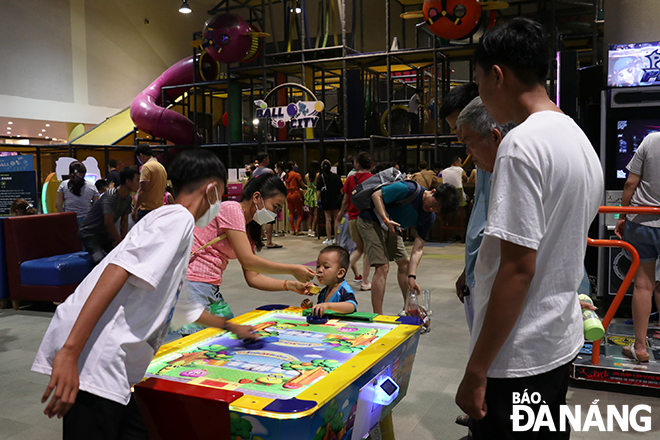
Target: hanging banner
303, 114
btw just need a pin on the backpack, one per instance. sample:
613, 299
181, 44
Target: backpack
361, 194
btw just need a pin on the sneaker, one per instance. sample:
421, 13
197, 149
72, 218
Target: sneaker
310, 233
358, 279
327, 241
334, 241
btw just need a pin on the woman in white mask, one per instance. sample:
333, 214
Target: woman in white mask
234, 232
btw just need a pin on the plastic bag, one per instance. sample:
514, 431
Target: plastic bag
420, 306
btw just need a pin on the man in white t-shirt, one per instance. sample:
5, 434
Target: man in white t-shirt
413, 111
642, 188
455, 174
103, 337
546, 189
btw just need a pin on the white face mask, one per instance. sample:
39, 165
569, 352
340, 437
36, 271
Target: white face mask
263, 215
214, 209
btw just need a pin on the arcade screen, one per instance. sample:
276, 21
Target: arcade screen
632, 65
629, 134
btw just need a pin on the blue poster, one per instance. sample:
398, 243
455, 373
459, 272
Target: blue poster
22, 184
23, 162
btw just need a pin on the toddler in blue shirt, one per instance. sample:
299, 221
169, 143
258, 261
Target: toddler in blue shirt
337, 296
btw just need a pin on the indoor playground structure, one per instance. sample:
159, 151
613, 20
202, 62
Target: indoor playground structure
245, 50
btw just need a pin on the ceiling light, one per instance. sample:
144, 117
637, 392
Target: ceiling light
47, 125
298, 10
43, 130
47, 137
8, 128
9, 122
39, 134
18, 135
185, 8
54, 139
9, 132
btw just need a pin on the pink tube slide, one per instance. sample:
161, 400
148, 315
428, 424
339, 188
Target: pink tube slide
148, 114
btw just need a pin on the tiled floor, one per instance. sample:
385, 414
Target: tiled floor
427, 412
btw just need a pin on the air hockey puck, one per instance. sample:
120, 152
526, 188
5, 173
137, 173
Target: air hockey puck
252, 344
311, 319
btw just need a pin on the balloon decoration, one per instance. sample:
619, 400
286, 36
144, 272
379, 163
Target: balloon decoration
455, 19
452, 19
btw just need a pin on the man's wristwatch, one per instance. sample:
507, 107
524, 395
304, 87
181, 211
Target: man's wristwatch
414, 277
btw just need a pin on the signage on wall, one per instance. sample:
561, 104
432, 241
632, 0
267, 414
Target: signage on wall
303, 114
23, 162
20, 184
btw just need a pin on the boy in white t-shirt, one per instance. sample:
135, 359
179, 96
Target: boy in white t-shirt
103, 337
546, 189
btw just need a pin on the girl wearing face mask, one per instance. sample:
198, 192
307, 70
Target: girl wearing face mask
234, 232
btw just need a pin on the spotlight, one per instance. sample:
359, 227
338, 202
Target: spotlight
185, 8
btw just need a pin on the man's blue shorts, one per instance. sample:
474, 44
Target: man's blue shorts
645, 239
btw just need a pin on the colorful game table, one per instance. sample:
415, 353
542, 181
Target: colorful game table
303, 381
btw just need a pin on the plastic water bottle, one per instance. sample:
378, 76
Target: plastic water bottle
593, 328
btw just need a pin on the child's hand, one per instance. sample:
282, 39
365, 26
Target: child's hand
306, 303
64, 380
242, 331
319, 309
586, 305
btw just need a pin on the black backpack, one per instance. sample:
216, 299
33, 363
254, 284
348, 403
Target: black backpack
361, 194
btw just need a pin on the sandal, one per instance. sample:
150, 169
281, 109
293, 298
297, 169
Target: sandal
630, 352
463, 420
365, 287
656, 335
274, 246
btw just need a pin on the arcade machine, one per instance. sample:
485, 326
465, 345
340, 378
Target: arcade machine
630, 110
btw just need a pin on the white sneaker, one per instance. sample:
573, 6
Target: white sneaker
327, 241
312, 234
334, 241
309, 232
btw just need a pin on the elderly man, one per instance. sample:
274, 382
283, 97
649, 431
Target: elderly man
481, 136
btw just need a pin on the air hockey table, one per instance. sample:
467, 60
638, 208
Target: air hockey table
336, 380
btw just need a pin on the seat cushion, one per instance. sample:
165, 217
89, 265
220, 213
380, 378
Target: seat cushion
57, 270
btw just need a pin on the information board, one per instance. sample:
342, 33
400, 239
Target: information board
21, 184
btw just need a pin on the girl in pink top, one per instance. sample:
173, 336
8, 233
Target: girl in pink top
235, 233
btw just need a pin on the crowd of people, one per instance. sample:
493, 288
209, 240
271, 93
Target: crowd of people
522, 266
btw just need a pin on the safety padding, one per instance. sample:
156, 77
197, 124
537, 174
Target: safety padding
57, 270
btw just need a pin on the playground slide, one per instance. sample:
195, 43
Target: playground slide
148, 114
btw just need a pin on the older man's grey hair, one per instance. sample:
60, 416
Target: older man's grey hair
476, 116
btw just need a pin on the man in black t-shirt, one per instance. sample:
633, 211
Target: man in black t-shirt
98, 232
113, 175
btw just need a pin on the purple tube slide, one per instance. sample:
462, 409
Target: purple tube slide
148, 114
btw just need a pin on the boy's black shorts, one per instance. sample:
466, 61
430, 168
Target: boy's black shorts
96, 418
